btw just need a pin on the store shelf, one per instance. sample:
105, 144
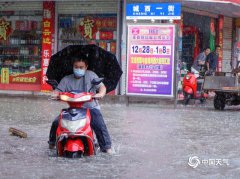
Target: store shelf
70, 40
38, 56
19, 45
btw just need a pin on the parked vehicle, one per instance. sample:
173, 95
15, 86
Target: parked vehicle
192, 88
226, 87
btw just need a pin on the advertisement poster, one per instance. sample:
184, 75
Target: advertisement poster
151, 60
47, 34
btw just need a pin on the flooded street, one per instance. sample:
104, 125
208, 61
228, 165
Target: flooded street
149, 142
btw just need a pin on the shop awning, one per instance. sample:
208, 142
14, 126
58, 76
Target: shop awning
229, 8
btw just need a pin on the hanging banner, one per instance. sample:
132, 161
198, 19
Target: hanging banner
212, 35
151, 60
220, 41
47, 36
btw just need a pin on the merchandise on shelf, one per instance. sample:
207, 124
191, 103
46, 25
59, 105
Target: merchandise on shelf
20, 51
88, 29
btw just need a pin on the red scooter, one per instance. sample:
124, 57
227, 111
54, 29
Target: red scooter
192, 88
74, 134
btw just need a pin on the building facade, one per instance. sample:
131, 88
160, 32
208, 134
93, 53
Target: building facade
30, 32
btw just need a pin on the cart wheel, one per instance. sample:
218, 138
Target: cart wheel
187, 98
219, 102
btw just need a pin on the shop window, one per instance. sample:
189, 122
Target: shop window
88, 29
20, 47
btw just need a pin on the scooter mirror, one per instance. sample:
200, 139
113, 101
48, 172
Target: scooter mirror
53, 83
97, 81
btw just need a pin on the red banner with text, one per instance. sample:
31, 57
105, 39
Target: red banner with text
47, 39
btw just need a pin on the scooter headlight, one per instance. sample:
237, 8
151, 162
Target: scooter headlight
187, 77
73, 126
80, 99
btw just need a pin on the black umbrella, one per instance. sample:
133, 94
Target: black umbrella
103, 63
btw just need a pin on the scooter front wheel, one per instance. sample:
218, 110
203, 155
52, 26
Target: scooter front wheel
77, 154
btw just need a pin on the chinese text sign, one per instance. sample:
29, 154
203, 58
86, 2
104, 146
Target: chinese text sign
47, 34
153, 11
151, 60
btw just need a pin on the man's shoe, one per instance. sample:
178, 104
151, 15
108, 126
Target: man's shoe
108, 151
51, 145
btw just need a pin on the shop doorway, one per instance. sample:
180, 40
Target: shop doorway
198, 33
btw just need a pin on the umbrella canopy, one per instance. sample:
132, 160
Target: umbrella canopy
103, 63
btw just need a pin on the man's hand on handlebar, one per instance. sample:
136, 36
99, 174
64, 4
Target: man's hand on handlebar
102, 92
98, 96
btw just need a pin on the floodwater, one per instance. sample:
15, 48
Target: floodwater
150, 141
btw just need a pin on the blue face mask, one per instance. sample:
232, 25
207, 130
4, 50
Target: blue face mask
78, 72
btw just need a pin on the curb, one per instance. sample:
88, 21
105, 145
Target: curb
108, 99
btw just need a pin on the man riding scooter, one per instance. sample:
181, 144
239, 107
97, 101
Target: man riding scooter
81, 81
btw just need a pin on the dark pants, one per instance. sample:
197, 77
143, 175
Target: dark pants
97, 124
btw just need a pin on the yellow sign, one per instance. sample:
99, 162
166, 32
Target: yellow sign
47, 40
5, 29
25, 79
47, 32
46, 24
5, 75
88, 25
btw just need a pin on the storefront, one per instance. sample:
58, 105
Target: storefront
81, 23
203, 24
217, 27
26, 45
200, 30
20, 46
197, 35
28, 38
88, 22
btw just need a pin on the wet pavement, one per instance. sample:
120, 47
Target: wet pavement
150, 141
